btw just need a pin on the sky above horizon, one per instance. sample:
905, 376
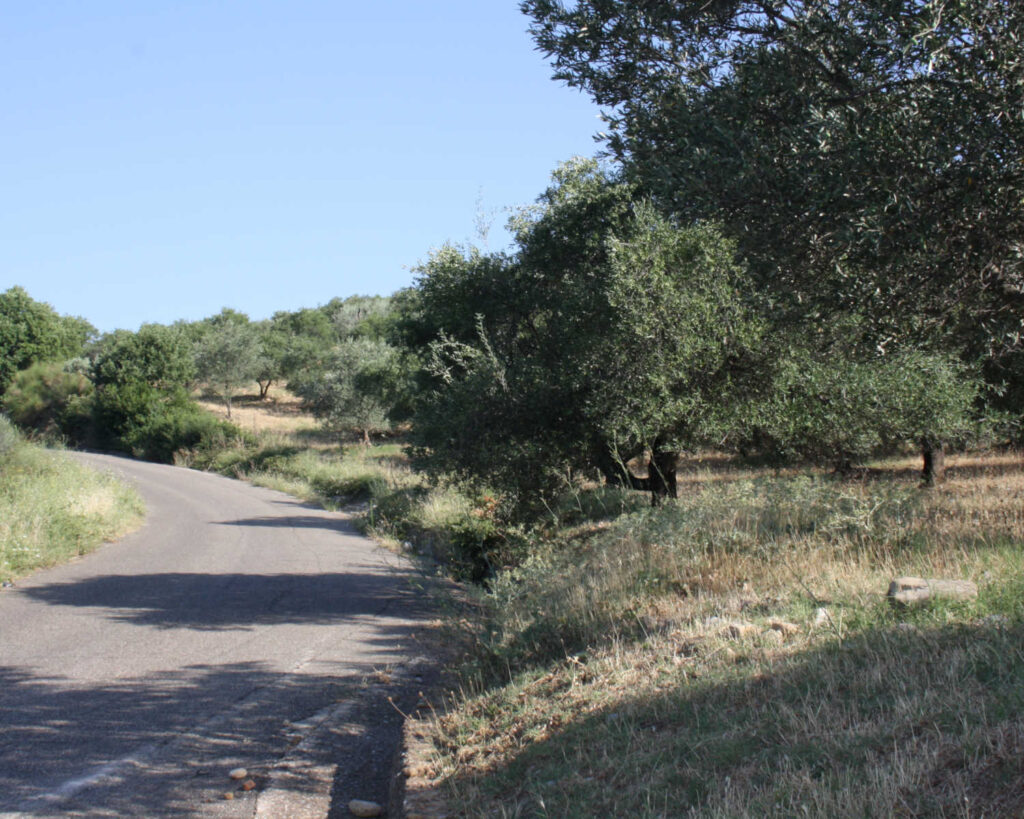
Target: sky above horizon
160, 161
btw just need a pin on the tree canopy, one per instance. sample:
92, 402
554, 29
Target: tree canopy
609, 331
229, 354
866, 156
32, 331
156, 355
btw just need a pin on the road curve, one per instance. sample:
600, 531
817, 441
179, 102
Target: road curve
238, 628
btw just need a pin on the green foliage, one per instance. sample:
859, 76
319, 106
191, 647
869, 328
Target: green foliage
678, 355
867, 157
156, 424
176, 426
348, 373
842, 411
156, 355
293, 341
473, 424
353, 387
48, 399
121, 409
32, 331
76, 334
360, 316
142, 404
229, 354
608, 331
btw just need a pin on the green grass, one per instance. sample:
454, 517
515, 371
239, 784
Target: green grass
53, 509
331, 476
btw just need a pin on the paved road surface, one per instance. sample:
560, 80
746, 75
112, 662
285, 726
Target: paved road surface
238, 628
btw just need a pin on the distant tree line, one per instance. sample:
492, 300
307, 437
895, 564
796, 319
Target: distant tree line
134, 391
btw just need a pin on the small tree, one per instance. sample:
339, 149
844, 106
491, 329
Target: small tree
355, 388
360, 316
841, 410
156, 355
137, 377
610, 331
228, 356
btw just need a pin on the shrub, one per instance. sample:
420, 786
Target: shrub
179, 426
48, 400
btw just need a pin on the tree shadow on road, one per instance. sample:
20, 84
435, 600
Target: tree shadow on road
295, 522
164, 746
239, 601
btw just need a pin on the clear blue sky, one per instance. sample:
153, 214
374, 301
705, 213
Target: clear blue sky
161, 160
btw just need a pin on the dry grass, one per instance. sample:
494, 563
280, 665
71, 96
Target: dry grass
732, 655
279, 413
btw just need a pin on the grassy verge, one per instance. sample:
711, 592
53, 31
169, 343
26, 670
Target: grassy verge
393, 504
52, 509
733, 655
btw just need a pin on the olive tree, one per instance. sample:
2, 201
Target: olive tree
354, 388
842, 410
610, 331
862, 153
867, 157
229, 355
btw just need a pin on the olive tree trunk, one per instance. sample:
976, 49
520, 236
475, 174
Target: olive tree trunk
662, 474
934, 469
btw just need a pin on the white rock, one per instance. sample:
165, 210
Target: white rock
908, 591
238, 773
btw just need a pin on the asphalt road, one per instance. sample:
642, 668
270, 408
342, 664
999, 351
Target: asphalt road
238, 628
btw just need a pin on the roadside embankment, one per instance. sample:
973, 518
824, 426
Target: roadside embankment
53, 509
